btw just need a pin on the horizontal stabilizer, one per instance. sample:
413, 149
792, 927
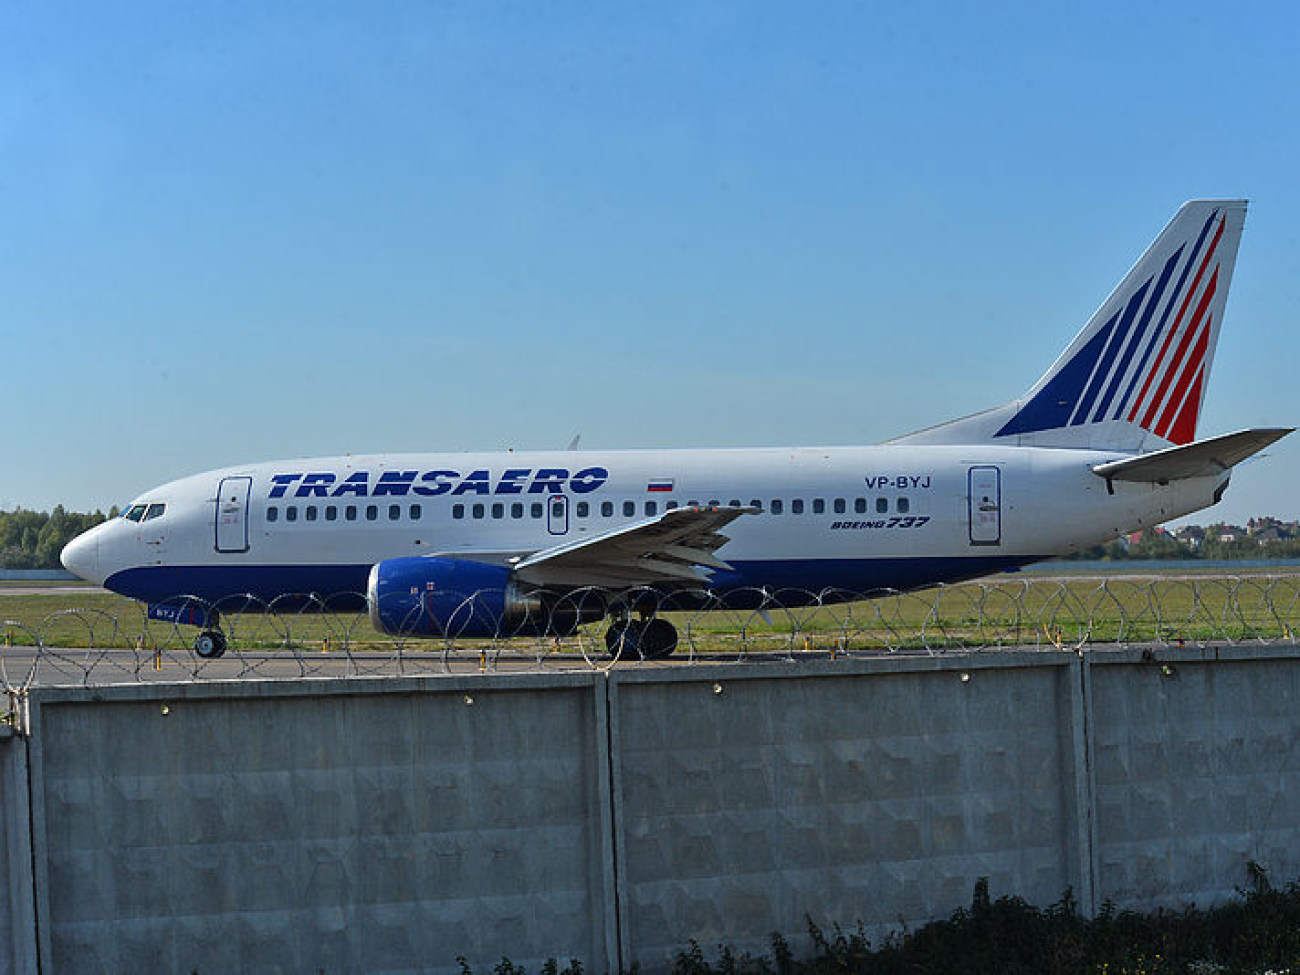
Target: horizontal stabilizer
1204, 458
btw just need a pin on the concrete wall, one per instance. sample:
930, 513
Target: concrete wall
349, 825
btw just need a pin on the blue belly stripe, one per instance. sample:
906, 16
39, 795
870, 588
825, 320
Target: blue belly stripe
787, 581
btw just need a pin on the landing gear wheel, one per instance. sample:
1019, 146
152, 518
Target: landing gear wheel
652, 639
658, 639
621, 640
210, 644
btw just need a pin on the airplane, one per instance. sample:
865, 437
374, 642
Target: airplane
538, 543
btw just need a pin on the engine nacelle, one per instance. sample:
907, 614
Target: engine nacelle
443, 597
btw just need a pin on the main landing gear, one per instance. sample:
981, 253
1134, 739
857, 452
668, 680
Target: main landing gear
644, 639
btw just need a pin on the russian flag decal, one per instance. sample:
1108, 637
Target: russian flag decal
660, 484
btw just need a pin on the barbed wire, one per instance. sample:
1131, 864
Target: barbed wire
314, 636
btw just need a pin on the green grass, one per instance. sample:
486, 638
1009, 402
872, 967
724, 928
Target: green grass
1063, 612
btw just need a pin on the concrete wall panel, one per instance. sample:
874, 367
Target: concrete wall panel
746, 805
1197, 773
337, 832
17, 894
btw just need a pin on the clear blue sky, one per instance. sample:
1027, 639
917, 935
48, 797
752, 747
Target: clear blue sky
242, 231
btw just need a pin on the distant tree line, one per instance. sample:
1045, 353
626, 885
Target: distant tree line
34, 539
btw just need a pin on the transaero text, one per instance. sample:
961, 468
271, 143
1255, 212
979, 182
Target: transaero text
361, 484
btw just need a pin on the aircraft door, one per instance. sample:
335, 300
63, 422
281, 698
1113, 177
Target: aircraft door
232, 514
984, 503
557, 514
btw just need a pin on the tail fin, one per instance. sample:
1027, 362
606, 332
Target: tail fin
1134, 378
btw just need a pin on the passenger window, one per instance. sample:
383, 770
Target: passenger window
839, 506
882, 506
394, 512
310, 512
536, 510
715, 503
581, 509
416, 512
477, 511
671, 506
651, 508
819, 506
796, 506
606, 508
331, 513
350, 512
777, 506
860, 505
291, 513
372, 512
458, 511
517, 509
272, 514
733, 503
498, 509
629, 509
755, 503
903, 506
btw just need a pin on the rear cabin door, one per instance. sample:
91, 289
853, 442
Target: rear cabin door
984, 503
232, 514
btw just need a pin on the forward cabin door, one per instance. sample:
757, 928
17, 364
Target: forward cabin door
984, 504
232, 514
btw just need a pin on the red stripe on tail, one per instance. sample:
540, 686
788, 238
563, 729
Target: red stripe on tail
1160, 363
1174, 374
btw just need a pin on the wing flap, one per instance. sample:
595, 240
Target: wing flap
1204, 458
677, 546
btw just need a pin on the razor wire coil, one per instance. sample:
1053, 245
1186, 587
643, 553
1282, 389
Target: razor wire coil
317, 636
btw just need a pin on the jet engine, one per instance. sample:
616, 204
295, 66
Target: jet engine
440, 597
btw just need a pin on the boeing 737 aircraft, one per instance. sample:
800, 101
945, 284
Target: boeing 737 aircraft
475, 545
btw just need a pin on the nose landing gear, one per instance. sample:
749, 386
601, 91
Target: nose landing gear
210, 644
187, 611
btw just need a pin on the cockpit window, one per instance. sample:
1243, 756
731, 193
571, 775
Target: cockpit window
155, 511
136, 513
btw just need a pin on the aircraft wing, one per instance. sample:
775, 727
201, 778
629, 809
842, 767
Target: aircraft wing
1204, 458
676, 547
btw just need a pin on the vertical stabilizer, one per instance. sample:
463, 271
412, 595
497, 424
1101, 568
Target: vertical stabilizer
1134, 378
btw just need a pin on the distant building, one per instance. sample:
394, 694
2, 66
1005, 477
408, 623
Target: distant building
1273, 533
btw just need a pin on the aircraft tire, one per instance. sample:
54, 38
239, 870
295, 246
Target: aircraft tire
210, 644
658, 639
622, 639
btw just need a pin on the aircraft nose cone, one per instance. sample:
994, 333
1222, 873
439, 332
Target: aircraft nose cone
81, 557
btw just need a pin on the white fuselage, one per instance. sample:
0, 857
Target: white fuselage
859, 519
